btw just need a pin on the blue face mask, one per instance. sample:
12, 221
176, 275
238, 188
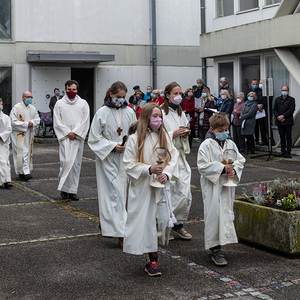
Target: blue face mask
152, 95
220, 93
135, 91
138, 97
221, 84
204, 95
222, 136
250, 99
254, 86
162, 95
28, 101
57, 94
284, 93
148, 91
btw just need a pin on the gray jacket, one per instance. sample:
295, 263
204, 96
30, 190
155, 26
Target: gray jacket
248, 114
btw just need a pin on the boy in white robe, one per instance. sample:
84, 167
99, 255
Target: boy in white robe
109, 126
24, 119
148, 213
5, 132
71, 124
218, 199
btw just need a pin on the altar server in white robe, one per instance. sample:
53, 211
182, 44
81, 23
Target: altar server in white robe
5, 132
218, 199
174, 120
110, 124
148, 211
71, 124
24, 120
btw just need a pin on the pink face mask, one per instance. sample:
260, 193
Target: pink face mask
176, 100
155, 123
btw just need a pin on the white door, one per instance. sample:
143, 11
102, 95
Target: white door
44, 80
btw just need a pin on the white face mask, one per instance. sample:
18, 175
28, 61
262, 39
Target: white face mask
1, 107
223, 97
260, 85
190, 94
238, 100
118, 101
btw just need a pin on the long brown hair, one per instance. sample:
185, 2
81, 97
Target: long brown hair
165, 105
115, 87
142, 129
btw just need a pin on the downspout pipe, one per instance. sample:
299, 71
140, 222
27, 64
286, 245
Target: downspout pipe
154, 45
203, 30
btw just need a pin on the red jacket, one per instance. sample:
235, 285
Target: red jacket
137, 110
188, 105
158, 101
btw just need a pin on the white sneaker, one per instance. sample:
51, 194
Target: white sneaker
182, 233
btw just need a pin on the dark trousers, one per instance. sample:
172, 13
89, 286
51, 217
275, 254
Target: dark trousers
238, 138
191, 136
285, 133
202, 133
250, 143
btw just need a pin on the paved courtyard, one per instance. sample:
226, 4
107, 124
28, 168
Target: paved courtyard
52, 249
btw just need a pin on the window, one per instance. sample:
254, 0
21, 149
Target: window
250, 67
226, 70
269, 2
5, 19
225, 8
5, 89
248, 4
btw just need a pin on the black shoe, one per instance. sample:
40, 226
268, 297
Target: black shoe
64, 195
282, 154
21, 176
73, 197
287, 155
7, 185
27, 177
250, 152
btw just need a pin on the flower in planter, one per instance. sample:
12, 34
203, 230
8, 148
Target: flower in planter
288, 202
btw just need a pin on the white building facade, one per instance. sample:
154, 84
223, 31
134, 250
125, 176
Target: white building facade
247, 39
97, 42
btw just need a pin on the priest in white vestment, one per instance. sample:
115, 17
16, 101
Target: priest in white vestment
218, 199
71, 124
174, 121
5, 132
24, 120
110, 124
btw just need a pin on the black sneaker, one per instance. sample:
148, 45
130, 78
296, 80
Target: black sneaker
64, 195
152, 269
287, 155
218, 258
73, 197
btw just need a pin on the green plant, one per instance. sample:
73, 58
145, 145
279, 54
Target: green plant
288, 202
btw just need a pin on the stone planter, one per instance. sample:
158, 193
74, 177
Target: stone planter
269, 227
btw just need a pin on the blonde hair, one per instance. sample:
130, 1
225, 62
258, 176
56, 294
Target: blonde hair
142, 129
219, 120
207, 91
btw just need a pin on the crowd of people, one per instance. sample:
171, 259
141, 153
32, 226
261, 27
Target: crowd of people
141, 148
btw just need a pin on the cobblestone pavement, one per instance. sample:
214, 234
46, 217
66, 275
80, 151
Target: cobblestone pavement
52, 249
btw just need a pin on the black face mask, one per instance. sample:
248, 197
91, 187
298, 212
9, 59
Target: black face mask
134, 102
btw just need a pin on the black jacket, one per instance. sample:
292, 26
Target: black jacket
285, 107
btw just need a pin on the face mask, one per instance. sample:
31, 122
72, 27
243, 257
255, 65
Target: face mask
250, 98
135, 92
28, 101
222, 136
220, 93
260, 85
1, 107
176, 100
155, 123
57, 94
138, 97
162, 95
238, 100
254, 86
153, 96
199, 85
190, 94
204, 95
148, 91
118, 101
221, 84
134, 102
71, 94
223, 97
284, 93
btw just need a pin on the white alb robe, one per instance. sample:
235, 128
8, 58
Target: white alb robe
111, 177
181, 188
22, 153
147, 212
70, 116
218, 199
5, 132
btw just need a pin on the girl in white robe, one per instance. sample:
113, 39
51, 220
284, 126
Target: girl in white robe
174, 120
148, 211
110, 124
218, 199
